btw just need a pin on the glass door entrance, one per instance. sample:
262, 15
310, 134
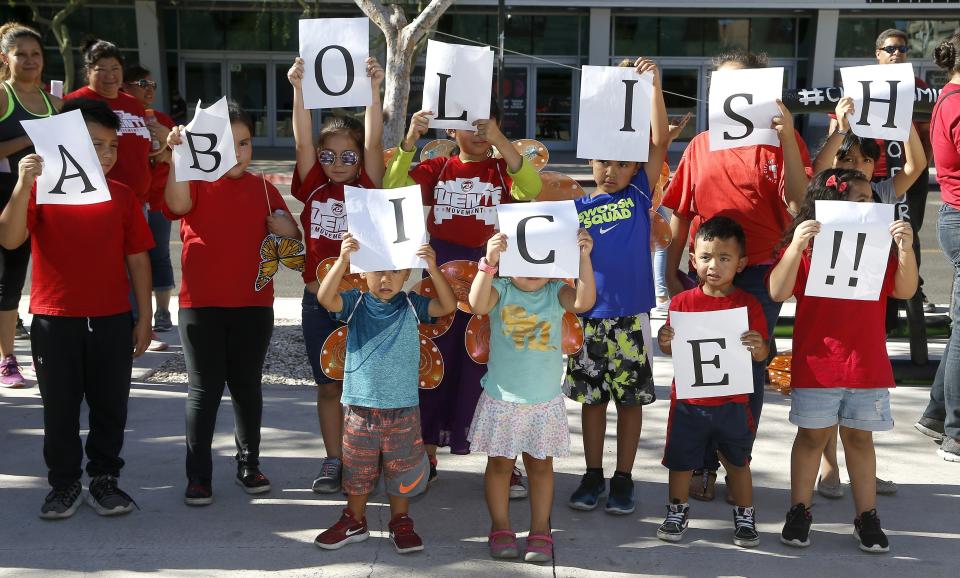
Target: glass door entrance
539, 101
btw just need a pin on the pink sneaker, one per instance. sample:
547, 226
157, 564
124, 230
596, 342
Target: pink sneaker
156, 344
10, 375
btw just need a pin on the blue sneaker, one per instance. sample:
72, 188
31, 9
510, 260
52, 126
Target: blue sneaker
587, 495
621, 500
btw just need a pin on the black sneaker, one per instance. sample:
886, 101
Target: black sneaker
329, 480
949, 450
252, 480
745, 527
433, 469
867, 531
621, 500
796, 530
21, 332
61, 502
932, 428
587, 495
106, 498
162, 320
675, 524
199, 493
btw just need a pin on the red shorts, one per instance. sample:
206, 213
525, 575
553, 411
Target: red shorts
387, 440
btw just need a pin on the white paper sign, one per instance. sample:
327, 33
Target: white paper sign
388, 224
541, 240
72, 174
742, 106
334, 52
457, 84
207, 151
883, 96
851, 251
708, 358
615, 110
56, 88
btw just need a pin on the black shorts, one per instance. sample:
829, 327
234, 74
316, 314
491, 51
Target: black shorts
691, 429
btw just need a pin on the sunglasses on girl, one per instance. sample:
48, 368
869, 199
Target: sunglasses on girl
143, 83
348, 158
894, 49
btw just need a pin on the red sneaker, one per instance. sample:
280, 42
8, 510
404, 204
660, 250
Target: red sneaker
405, 539
345, 531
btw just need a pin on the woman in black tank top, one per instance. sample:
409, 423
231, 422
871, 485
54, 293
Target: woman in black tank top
21, 98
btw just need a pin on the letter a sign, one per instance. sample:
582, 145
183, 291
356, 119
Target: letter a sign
207, 152
71, 170
614, 114
708, 358
334, 52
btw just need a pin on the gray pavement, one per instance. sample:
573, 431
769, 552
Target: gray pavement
240, 536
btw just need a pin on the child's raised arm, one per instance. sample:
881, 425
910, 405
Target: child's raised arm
306, 152
526, 180
483, 297
177, 194
828, 153
794, 172
13, 219
913, 165
398, 168
659, 123
783, 277
328, 294
373, 126
445, 302
585, 295
908, 276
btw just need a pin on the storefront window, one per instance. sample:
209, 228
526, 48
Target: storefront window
681, 37
856, 37
776, 35
635, 35
725, 34
785, 37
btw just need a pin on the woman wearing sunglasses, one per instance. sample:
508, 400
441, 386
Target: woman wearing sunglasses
346, 153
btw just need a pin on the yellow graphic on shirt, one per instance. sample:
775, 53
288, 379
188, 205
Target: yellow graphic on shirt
526, 330
608, 213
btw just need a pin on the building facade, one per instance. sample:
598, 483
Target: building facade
200, 50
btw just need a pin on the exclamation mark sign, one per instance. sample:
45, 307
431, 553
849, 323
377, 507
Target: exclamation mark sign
861, 239
837, 237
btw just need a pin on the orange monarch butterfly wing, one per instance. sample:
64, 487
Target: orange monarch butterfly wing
291, 253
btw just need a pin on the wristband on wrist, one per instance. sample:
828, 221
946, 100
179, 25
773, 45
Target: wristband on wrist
842, 132
486, 267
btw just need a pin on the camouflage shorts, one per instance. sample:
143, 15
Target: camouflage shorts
613, 363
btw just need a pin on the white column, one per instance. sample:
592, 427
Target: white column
824, 55
148, 41
600, 44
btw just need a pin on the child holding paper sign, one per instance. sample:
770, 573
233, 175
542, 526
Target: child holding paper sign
382, 421
346, 153
723, 422
614, 363
463, 192
521, 410
225, 319
841, 373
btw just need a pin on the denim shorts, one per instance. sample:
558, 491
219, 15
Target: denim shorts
317, 324
865, 409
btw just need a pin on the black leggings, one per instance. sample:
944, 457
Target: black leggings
79, 358
224, 346
13, 264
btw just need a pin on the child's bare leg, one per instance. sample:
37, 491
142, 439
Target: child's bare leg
431, 450
805, 462
540, 474
330, 414
741, 487
829, 469
593, 420
629, 424
398, 505
496, 488
862, 467
679, 487
358, 505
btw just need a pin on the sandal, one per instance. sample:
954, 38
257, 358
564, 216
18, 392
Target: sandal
541, 553
503, 549
702, 485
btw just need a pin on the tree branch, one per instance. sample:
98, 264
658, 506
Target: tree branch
428, 18
377, 12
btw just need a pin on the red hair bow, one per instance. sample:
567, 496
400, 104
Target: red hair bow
832, 181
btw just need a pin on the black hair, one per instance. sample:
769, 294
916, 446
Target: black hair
347, 126
891, 33
947, 53
868, 147
744, 58
10, 33
135, 72
95, 111
723, 228
95, 50
818, 190
237, 114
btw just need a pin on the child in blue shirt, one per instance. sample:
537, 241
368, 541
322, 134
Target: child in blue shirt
382, 420
521, 409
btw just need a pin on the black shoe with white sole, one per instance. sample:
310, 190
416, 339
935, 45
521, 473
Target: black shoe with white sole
199, 493
61, 502
252, 480
796, 530
675, 524
745, 532
107, 498
867, 531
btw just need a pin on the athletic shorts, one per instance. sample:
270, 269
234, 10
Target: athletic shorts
865, 409
386, 440
614, 362
691, 429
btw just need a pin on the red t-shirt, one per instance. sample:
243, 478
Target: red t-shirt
463, 197
745, 183
133, 165
221, 237
840, 342
159, 171
79, 251
324, 215
696, 300
945, 138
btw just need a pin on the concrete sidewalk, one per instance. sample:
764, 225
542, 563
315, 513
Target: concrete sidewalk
240, 536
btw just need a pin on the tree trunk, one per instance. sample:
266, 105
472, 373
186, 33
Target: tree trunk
61, 32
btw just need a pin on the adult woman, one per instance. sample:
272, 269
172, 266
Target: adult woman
138, 83
21, 98
749, 185
941, 419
